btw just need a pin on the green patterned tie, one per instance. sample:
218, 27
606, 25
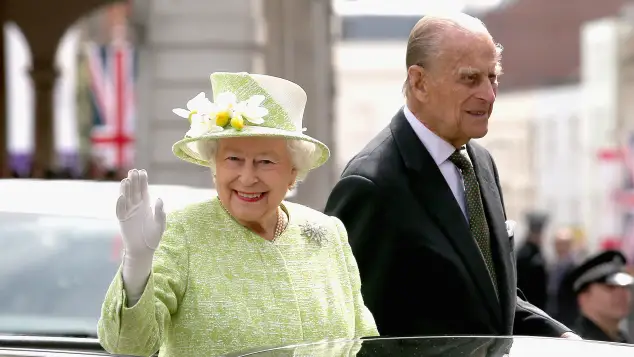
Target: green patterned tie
477, 219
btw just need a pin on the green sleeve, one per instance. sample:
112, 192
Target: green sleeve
364, 322
140, 330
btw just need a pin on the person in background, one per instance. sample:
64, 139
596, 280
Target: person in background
602, 288
559, 305
422, 201
245, 269
532, 275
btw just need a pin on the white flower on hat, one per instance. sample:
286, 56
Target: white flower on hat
251, 109
195, 106
201, 125
198, 110
205, 116
222, 109
227, 110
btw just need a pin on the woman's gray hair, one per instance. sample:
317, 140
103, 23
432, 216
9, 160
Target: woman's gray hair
302, 155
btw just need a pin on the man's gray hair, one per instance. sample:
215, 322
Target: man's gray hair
302, 155
425, 39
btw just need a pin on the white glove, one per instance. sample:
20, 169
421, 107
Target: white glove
141, 230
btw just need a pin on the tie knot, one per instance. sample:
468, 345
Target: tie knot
460, 160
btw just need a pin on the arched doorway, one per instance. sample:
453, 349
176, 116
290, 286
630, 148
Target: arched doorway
43, 33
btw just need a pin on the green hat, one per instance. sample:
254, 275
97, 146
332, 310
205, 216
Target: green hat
246, 105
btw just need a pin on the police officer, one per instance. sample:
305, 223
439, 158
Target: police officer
602, 289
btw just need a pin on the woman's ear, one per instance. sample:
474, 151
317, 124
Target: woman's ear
291, 185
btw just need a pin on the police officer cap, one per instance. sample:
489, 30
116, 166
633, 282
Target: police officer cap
606, 267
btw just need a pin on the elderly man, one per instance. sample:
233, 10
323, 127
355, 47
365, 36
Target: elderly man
422, 202
603, 294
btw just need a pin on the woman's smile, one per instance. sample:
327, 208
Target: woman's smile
249, 196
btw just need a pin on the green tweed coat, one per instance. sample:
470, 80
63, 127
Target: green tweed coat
216, 287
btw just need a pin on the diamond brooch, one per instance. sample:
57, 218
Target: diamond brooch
315, 232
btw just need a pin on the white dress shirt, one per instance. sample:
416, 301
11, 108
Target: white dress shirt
440, 150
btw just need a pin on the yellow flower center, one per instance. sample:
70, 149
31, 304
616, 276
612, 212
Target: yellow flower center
222, 118
237, 122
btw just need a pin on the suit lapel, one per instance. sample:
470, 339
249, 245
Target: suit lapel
432, 191
500, 244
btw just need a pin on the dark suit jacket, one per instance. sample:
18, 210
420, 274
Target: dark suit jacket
421, 270
532, 278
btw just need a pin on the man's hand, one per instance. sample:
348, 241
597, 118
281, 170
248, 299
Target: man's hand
571, 336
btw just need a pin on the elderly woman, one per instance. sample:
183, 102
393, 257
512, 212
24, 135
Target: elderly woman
244, 269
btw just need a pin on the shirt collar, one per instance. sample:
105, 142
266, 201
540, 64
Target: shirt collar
439, 149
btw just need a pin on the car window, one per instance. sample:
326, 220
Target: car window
54, 272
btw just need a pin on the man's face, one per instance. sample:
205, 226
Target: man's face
457, 91
564, 240
610, 302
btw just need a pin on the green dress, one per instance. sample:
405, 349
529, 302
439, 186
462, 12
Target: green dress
216, 288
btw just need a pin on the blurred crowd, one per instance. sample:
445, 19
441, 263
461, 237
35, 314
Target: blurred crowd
573, 287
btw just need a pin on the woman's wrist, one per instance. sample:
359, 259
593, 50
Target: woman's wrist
135, 273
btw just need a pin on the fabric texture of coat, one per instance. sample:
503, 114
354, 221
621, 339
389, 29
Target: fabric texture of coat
216, 287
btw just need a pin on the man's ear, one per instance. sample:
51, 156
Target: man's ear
418, 82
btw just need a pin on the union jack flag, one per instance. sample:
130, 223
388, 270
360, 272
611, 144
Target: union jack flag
112, 71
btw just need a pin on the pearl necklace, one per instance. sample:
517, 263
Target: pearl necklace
280, 225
